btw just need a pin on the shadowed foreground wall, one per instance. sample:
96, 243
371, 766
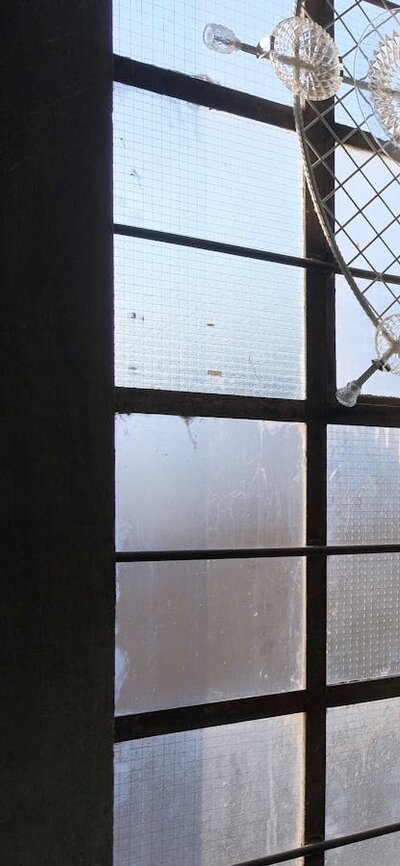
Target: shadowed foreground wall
57, 593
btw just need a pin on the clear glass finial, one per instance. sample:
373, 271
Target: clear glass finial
305, 58
385, 82
221, 39
348, 395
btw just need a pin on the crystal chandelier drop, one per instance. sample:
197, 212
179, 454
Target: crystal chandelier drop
307, 60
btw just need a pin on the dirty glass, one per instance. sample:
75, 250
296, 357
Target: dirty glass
185, 169
208, 630
363, 767
169, 33
383, 851
194, 320
214, 796
363, 617
208, 482
363, 485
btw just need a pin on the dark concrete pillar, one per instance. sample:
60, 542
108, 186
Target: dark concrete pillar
56, 434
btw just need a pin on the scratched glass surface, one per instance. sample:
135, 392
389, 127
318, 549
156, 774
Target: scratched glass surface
383, 851
363, 767
184, 169
192, 320
363, 617
169, 33
214, 796
363, 485
206, 482
208, 630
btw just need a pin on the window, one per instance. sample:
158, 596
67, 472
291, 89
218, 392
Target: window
258, 636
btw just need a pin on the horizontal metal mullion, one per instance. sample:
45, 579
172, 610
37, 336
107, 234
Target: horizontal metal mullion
228, 249
360, 692
254, 553
192, 404
161, 722
317, 265
314, 848
179, 85
368, 412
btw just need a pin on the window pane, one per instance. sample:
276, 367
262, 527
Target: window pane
363, 767
353, 356
207, 482
194, 632
189, 320
367, 211
363, 485
169, 33
209, 797
383, 851
363, 617
185, 169
352, 20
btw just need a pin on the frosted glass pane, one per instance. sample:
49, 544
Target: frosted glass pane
363, 617
210, 797
363, 485
353, 356
207, 482
363, 767
191, 320
182, 168
194, 632
169, 33
384, 851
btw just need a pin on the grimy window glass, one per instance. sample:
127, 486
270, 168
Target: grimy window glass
257, 628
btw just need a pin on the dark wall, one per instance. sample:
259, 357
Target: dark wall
56, 445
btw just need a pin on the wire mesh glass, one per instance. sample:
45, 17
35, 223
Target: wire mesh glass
195, 320
351, 157
169, 33
210, 797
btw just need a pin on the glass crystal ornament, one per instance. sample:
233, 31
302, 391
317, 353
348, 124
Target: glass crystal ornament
349, 395
387, 342
385, 83
221, 39
305, 58
377, 74
351, 165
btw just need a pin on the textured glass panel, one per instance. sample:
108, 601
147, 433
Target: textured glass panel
363, 617
363, 485
355, 338
194, 632
169, 33
185, 169
192, 320
207, 482
210, 797
363, 767
384, 851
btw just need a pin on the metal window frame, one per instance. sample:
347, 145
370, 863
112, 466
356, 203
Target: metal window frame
317, 411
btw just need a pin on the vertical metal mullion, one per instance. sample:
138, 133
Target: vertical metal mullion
320, 384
